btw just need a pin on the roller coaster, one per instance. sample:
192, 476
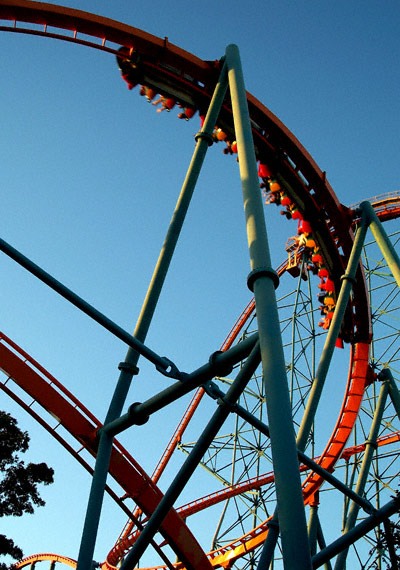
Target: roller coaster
336, 290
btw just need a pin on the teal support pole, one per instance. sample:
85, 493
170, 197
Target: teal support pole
268, 550
204, 140
220, 364
313, 528
192, 461
322, 545
370, 447
347, 283
386, 376
262, 280
163, 364
216, 393
356, 533
382, 240
129, 366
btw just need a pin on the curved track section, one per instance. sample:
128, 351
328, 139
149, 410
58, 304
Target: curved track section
174, 73
360, 376
53, 558
35, 381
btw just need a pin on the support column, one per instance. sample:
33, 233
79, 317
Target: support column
263, 280
383, 241
313, 522
386, 376
193, 460
129, 366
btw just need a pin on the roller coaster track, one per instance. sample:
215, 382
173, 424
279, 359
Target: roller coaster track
22, 370
173, 72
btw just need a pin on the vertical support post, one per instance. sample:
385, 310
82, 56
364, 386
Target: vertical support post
313, 527
269, 545
356, 533
394, 560
322, 545
129, 366
370, 447
262, 280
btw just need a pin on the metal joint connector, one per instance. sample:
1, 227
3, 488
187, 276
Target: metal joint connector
168, 368
348, 278
273, 523
226, 404
384, 375
128, 367
262, 272
138, 419
205, 136
369, 508
219, 369
212, 390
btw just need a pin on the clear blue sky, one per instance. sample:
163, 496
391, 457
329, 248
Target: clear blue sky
89, 178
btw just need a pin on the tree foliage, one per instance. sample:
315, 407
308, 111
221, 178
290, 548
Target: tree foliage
19, 482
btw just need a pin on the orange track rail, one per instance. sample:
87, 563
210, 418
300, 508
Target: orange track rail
31, 560
174, 71
53, 397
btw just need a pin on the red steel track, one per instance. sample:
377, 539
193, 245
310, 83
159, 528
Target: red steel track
174, 72
53, 397
31, 560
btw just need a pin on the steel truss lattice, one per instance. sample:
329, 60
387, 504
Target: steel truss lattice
267, 511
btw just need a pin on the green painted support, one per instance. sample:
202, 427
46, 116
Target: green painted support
391, 545
322, 545
267, 554
313, 521
164, 365
220, 364
382, 240
192, 461
262, 280
370, 447
360, 530
216, 393
386, 376
129, 366
347, 283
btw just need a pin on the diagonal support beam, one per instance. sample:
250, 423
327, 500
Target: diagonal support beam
129, 366
370, 447
192, 461
345, 541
